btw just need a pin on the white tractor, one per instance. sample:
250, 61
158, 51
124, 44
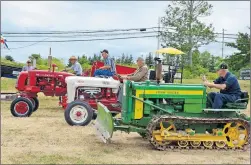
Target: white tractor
83, 93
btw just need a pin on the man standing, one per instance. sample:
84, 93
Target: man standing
76, 67
109, 68
28, 67
228, 84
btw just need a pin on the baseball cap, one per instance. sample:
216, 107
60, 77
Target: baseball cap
106, 51
221, 66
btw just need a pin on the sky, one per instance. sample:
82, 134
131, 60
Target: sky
26, 16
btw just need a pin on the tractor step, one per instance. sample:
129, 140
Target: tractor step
8, 96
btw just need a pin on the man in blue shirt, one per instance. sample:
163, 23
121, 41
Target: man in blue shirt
76, 67
28, 67
228, 84
109, 68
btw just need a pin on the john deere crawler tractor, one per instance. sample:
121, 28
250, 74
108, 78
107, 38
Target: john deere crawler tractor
175, 116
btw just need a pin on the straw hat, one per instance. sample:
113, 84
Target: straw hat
73, 58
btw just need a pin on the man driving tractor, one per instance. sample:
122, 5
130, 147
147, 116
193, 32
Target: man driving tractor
109, 68
28, 67
140, 75
76, 67
228, 84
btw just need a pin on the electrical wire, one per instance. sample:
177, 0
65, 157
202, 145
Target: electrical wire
29, 45
80, 35
86, 31
97, 39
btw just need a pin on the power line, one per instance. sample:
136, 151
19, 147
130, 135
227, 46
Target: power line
80, 35
87, 31
98, 39
29, 45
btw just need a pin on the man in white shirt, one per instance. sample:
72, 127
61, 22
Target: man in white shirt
76, 67
28, 67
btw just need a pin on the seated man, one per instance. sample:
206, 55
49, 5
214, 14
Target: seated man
28, 67
140, 75
228, 84
76, 67
109, 68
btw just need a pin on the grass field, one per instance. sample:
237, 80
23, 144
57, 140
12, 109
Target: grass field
46, 138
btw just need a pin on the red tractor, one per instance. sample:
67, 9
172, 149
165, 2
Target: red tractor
51, 83
30, 83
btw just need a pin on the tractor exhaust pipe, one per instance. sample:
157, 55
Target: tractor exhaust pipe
158, 69
49, 60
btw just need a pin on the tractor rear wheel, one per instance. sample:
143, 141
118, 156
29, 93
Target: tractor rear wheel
35, 103
78, 113
21, 107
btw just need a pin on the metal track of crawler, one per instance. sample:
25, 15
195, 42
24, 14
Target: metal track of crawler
192, 120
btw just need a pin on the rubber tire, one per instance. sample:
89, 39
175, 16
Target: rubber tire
68, 110
30, 105
36, 103
95, 115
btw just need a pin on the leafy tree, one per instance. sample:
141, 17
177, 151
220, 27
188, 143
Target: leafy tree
35, 56
123, 58
130, 59
196, 56
149, 59
118, 60
9, 58
242, 58
212, 64
205, 59
182, 27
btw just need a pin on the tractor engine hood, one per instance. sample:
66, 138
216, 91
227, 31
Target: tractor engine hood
74, 82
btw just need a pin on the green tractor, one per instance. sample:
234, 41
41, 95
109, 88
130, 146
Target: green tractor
174, 116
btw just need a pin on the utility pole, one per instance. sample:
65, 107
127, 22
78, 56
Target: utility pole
222, 52
158, 36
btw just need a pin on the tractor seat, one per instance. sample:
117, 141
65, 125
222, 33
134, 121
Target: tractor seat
240, 103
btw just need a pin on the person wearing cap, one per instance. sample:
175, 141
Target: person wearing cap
28, 67
228, 84
140, 74
76, 67
109, 68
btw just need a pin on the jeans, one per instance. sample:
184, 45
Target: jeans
216, 100
100, 72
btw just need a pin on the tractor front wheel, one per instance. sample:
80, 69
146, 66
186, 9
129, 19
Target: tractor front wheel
78, 113
21, 107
